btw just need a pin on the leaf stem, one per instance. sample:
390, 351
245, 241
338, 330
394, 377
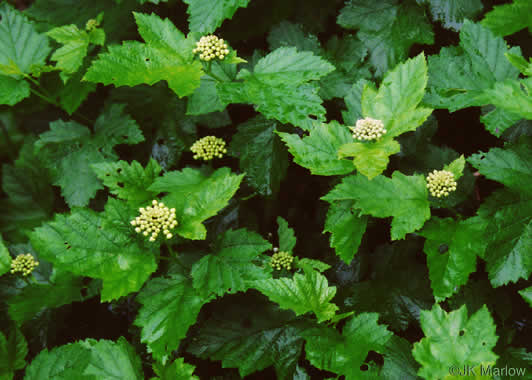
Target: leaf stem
211, 74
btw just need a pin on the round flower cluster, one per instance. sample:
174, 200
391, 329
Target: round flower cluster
208, 147
154, 219
281, 260
441, 183
24, 263
368, 129
211, 47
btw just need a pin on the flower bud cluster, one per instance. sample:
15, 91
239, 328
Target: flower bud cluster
91, 25
281, 260
211, 47
440, 183
208, 147
154, 219
24, 263
368, 129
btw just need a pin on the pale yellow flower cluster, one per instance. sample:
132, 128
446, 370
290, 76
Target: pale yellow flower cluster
24, 263
211, 47
368, 129
440, 183
208, 147
154, 219
281, 260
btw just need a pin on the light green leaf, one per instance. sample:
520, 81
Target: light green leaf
196, 197
513, 96
402, 197
451, 339
520, 63
78, 243
456, 167
287, 238
310, 264
388, 29
205, 16
251, 336
372, 158
129, 181
20, 43
527, 295
318, 151
69, 149
509, 236
170, 305
164, 56
69, 58
262, 156
5, 258
353, 101
13, 351
205, 98
285, 103
507, 19
38, 297
287, 65
510, 166
346, 353
452, 13
397, 101
74, 92
113, 360
452, 249
230, 269
177, 370
61, 363
346, 229
308, 292
13, 90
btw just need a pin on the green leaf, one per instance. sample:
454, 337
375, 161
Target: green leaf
372, 158
166, 55
452, 13
69, 149
456, 167
507, 19
36, 298
397, 101
520, 63
113, 360
402, 197
527, 295
510, 166
353, 101
177, 370
69, 58
308, 292
205, 16
512, 96
69, 243
452, 249
261, 154
346, 229
13, 351
62, 363
196, 197
287, 65
345, 353
205, 98
74, 92
509, 236
459, 75
451, 339
166, 301
387, 28
5, 258
398, 360
318, 151
397, 287
287, 34
129, 181
311, 264
287, 238
20, 48
251, 336
231, 268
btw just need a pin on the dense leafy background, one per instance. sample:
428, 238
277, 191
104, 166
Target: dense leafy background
97, 119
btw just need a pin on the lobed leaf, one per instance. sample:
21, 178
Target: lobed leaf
205, 16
